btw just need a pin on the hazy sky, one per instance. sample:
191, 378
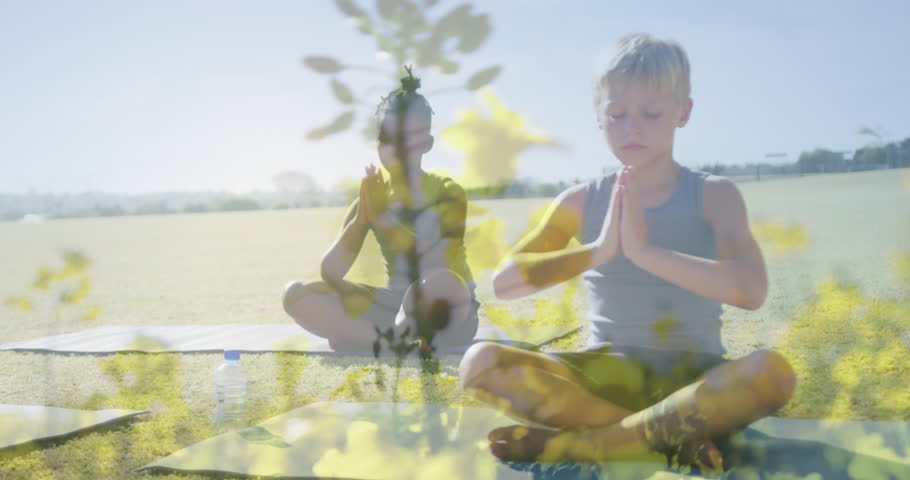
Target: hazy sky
175, 95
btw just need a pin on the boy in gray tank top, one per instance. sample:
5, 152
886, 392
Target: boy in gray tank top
661, 248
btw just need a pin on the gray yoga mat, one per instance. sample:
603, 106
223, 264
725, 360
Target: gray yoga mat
363, 441
21, 424
354, 441
244, 337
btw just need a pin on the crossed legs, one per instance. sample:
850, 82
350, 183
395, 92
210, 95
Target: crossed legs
579, 425
347, 314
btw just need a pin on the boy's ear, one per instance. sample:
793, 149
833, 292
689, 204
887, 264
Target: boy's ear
686, 113
429, 143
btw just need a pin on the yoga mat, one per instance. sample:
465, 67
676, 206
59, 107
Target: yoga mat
21, 424
354, 441
244, 337
362, 441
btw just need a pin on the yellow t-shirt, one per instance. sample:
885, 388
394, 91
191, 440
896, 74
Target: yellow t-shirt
441, 218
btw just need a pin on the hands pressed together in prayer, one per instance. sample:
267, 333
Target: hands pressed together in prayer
624, 229
375, 207
385, 211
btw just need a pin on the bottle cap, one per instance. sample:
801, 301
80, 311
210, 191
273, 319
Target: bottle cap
232, 355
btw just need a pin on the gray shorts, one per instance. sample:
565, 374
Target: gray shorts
636, 377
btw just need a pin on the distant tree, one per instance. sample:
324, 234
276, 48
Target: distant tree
195, 207
155, 208
232, 204
892, 155
109, 210
300, 186
547, 190
348, 188
9, 215
820, 160
890, 152
716, 169
518, 188
870, 157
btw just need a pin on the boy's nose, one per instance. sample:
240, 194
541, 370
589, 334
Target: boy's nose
633, 124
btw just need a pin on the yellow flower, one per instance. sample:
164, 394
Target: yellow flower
492, 143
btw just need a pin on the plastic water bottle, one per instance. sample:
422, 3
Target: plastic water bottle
230, 393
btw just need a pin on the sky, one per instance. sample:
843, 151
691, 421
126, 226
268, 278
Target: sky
140, 97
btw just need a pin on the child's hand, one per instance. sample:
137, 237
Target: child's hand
374, 200
610, 239
634, 228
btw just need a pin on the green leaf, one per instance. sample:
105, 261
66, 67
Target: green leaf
365, 26
870, 132
357, 14
341, 122
449, 24
323, 64
429, 52
475, 33
446, 67
471, 30
342, 92
398, 11
389, 10
483, 77
351, 9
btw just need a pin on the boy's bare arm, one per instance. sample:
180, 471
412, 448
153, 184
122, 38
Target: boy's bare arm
737, 277
540, 259
341, 255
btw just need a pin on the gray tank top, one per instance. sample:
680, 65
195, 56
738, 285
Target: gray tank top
629, 306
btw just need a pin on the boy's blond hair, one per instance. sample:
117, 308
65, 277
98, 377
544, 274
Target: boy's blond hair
641, 57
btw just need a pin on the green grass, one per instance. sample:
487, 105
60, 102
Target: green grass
231, 268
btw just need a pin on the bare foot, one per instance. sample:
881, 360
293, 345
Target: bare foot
519, 443
701, 453
528, 444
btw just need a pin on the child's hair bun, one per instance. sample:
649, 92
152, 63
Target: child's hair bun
410, 83
405, 97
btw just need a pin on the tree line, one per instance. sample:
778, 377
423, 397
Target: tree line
823, 160
295, 189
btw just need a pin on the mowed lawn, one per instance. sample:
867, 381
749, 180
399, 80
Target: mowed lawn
231, 268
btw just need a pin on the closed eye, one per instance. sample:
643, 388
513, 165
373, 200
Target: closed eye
652, 116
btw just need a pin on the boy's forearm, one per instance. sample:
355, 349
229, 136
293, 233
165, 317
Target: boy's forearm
529, 272
734, 282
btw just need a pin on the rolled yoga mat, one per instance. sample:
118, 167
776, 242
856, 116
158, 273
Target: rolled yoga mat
246, 338
22, 424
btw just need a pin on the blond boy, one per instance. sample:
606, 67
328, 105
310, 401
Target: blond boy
661, 248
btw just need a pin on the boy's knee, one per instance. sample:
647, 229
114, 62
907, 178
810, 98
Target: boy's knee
776, 379
478, 359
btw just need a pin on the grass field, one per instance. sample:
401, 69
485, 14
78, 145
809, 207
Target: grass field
231, 268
